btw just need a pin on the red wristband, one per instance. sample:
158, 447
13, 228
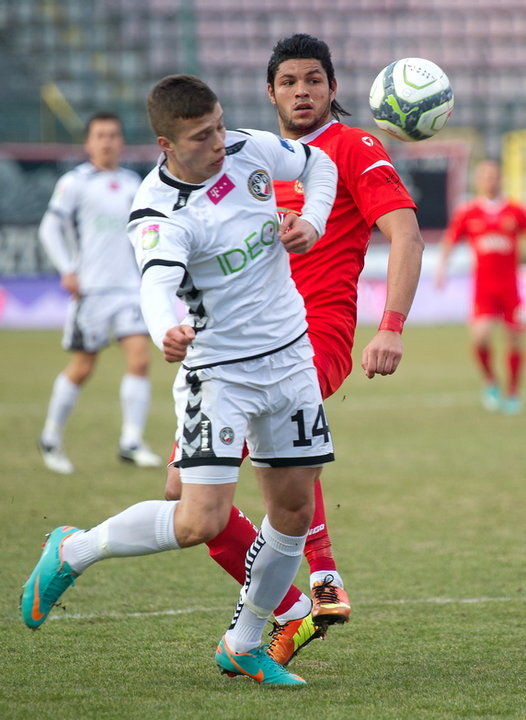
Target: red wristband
393, 321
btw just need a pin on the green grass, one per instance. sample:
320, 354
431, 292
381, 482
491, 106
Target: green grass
426, 504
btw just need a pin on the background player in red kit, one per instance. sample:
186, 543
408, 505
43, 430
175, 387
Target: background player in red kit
492, 225
302, 86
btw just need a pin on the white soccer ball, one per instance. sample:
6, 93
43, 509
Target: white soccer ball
411, 99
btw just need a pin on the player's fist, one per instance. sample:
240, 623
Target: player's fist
297, 235
176, 342
383, 354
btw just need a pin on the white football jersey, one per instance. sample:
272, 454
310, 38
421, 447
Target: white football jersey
223, 235
95, 206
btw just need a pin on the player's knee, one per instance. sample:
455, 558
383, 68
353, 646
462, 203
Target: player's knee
80, 370
291, 521
200, 529
139, 366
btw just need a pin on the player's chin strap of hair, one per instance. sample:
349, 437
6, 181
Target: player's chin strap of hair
393, 321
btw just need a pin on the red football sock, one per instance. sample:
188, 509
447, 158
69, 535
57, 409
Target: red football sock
318, 546
229, 549
483, 355
514, 369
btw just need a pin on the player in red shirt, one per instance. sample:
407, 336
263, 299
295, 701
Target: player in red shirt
492, 225
302, 86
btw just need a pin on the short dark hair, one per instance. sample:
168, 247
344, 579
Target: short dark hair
101, 115
178, 97
301, 46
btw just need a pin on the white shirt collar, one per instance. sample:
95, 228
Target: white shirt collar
313, 135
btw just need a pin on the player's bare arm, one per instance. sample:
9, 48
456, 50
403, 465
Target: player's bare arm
383, 354
297, 235
441, 271
176, 342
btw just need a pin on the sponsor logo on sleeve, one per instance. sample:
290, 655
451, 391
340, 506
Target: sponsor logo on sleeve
150, 237
286, 144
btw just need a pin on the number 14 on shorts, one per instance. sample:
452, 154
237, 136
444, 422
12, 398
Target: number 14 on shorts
319, 427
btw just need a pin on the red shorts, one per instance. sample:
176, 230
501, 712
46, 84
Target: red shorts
505, 304
332, 359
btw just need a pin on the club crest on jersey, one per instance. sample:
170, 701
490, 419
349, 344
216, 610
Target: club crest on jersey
226, 435
259, 185
150, 237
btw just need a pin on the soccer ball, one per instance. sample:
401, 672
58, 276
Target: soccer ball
411, 99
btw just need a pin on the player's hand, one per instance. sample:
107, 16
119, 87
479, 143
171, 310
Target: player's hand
70, 283
176, 342
297, 235
383, 354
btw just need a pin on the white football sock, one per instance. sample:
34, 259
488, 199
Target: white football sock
142, 529
320, 575
63, 398
301, 607
135, 402
272, 563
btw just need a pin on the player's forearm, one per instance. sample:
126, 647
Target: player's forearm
403, 272
158, 291
319, 181
405, 258
52, 236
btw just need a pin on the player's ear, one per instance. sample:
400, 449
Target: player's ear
164, 143
270, 91
333, 85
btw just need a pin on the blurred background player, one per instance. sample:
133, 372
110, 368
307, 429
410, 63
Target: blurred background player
493, 226
91, 204
302, 86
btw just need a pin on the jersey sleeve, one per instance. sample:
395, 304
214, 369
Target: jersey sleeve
57, 220
159, 241
64, 200
162, 250
285, 158
369, 174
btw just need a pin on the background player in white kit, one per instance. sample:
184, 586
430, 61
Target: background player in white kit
84, 233
204, 227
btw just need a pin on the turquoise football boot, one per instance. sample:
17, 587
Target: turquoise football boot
256, 664
49, 580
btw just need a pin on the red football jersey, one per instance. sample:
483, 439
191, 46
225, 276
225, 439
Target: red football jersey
327, 276
493, 229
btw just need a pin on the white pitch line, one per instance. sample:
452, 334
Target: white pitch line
443, 601
357, 603
58, 616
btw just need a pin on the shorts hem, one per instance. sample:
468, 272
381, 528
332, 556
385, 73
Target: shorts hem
196, 462
293, 461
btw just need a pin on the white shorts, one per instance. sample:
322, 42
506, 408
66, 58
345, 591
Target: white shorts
273, 402
94, 320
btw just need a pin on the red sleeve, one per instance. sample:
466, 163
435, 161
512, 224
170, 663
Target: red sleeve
371, 177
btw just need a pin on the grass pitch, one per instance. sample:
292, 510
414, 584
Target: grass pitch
426, 504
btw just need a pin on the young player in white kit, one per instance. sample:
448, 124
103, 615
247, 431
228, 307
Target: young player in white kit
84, 233
204, 227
